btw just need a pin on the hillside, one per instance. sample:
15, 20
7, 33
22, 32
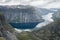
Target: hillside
6, 31
21, 14
48, 32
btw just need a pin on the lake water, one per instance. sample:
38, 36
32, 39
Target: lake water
30, 25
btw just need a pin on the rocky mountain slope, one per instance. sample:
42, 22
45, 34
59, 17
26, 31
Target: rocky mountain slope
6, 31
21, 13
24, 13
48, 32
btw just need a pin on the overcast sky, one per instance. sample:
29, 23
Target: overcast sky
39, 3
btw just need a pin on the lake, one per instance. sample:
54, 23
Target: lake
30, 25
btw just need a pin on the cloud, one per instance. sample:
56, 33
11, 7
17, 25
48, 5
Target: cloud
52, 5
46, 3
9, 2
36, 3
39, 2
2, 1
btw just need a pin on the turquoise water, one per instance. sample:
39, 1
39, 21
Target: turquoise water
30, 25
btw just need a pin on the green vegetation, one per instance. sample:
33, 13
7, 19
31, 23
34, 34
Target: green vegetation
1, 38
25, 36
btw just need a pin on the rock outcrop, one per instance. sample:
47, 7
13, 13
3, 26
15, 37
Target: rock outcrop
6, 30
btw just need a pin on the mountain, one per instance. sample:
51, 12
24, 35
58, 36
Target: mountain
7, 32
56, 15
24, 13
21, 13
48, 32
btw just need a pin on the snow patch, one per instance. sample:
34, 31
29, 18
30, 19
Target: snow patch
48, 19
21, 30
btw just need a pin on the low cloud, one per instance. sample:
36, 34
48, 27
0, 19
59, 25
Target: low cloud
36, 3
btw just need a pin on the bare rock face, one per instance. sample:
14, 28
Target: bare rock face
6, 30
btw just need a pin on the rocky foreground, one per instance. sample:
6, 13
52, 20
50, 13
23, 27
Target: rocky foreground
6, 30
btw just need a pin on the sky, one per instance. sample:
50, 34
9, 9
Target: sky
36, 3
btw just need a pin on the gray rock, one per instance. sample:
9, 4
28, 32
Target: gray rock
6, 31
